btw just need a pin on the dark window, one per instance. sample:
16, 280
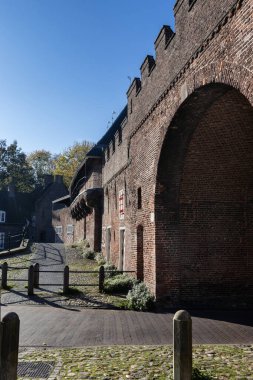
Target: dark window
113, 145
120, 136
108, 153
191, 2
139, 198
131, 105
115, 196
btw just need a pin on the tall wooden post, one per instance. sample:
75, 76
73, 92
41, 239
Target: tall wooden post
4, 275
9, 329
30, 280
36, 275
66, 280
182, 346
101, 278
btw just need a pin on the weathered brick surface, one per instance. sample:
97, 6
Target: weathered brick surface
187, 143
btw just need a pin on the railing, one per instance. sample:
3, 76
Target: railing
33, 278
15, 241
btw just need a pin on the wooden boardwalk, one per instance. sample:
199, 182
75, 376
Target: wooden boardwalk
59, 327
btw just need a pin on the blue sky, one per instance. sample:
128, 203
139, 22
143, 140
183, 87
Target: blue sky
64, 65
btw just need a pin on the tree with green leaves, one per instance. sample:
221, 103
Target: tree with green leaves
14, 168
68, 162
42, 162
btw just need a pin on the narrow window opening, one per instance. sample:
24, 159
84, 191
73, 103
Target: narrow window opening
113, 145
120, 136
115, 196
139, 198
191, 3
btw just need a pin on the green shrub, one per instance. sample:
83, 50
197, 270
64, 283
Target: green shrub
120, 283
88, 254
140, 298
100, 259
112, 270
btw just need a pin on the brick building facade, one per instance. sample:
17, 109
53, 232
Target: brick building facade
168, 190
31, 212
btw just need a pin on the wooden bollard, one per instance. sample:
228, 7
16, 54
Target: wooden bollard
30, 280
9, 347
182, 346
66, 280
36, 275
101, 278
4, 275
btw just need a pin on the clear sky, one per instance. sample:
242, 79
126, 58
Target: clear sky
64, 65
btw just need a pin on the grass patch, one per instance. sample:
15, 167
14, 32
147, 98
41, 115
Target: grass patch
147, 362
76, 262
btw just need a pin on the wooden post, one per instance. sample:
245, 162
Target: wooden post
101, 279
9, 346
4, 275
182, 346
30, 280
36, 275
66, 280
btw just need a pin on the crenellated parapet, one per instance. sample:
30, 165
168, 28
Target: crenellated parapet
196, 22
163, 40
147, 67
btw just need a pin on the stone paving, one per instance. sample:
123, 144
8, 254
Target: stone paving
144, 362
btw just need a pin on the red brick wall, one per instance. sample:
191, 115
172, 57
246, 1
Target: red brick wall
221, 60
204, 204
187, 144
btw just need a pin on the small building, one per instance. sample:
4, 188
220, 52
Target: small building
30, 211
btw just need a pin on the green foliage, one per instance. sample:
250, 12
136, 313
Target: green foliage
120, 283
14, 168
100, 259
140, 298
112, 270
198, 375
89, 254
42, 162
68, 162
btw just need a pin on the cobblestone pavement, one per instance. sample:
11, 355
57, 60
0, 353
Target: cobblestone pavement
233, 362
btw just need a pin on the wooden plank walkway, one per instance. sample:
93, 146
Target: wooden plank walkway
59, 327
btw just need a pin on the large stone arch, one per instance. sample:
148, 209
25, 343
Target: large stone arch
204, 199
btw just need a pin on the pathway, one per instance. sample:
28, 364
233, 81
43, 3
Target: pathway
51, 258
59, 327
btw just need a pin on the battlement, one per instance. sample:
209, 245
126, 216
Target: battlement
194, 22
163, 40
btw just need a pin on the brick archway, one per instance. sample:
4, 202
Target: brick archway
204, 201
